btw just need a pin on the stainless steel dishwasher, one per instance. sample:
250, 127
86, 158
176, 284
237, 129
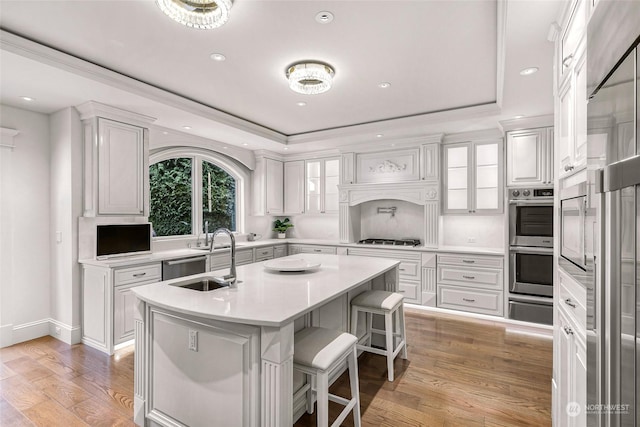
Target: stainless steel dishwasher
181, 267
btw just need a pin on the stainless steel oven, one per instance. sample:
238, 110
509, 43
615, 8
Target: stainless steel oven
573, 207
531, 217
531, 271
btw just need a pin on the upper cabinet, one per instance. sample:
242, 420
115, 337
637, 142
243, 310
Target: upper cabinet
571, 100
473, 177
268, 187
116, 161
322, 178
530, 157
294, 187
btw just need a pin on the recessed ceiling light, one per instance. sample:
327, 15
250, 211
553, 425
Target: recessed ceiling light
286, 148
518, 117
380, 135
225, 147
218, 57
529, 71
165, 133
384, 85
301, 104
245, 144
324, 17
186, 127
393, 145
27, 98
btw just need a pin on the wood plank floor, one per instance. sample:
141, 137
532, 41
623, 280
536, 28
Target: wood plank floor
460, 372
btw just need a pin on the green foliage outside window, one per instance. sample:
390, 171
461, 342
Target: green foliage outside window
170, 198
218, 197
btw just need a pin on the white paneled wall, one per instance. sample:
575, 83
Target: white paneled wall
487, 231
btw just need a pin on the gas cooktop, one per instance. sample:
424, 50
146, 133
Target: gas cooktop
391, 242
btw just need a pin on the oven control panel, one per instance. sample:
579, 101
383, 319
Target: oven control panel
530, 193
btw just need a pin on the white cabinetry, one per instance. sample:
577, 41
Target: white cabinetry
311, 249
473, 177
470, 283
322, 179
530, 157
569, 353
108, 303
263, 254
294, 187
221, 258
116, 161
571, 101
268, 187
279, 251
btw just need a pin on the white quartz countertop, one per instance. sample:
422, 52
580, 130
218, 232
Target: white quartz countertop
187, 252
268, 298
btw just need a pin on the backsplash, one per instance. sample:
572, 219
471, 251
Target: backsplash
405, 221
486, 231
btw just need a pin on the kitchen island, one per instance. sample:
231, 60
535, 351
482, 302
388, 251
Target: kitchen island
225, 357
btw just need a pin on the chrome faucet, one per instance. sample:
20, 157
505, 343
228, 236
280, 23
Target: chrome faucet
229, 279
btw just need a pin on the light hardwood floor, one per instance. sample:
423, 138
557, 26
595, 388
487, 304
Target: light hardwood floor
460, 372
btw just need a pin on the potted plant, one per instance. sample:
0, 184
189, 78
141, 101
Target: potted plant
281, 227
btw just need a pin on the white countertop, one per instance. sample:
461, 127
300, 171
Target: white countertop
182, 253
268, 298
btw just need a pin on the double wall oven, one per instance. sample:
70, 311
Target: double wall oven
531, 255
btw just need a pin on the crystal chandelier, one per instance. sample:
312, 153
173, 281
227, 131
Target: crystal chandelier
202, 14
310, 78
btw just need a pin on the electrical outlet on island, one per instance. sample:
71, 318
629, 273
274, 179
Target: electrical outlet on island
471, 239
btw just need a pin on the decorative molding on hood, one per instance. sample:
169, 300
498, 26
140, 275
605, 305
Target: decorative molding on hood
414, 192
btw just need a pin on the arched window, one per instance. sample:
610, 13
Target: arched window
191, 190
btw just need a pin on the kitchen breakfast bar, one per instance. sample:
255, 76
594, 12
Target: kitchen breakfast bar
225, 357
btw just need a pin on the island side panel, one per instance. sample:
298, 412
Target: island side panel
277, 375
139, 379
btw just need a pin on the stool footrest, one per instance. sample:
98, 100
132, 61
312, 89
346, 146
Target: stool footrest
349, 405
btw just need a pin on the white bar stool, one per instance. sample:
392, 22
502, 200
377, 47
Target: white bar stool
317, 351
387, 304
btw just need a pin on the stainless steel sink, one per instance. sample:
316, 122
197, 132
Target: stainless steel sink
201, 284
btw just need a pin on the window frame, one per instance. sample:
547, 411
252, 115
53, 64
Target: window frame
197, 156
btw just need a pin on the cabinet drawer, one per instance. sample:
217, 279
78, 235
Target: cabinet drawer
244, 256
318, 250
473, 277
220, 260
264, 253
279, 251
410, 291
470, 299
471, 260
410, 269
572, 297
140, 273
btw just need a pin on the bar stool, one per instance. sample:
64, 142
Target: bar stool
387, 304
317, 351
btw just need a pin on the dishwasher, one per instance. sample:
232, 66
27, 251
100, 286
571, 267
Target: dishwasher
175, 268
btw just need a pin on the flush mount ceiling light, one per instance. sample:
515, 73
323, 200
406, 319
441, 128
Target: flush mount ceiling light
310, 78
529, 71
201, 14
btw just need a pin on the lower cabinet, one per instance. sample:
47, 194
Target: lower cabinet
279, 251
311, 249
263, 253
108, 303
569, 356
471, 283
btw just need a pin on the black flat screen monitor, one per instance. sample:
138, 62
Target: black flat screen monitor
119, 239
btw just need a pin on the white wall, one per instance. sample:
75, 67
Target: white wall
487, 230
321, 226
25, 313
66, 207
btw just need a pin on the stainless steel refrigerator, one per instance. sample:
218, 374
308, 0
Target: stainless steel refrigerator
613, 298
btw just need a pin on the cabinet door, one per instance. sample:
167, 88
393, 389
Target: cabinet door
563, 347
322, 179
487, 178
294, 187
580, 134
123, 304
121, 168
526, 163
457, 160
274, 175
565, 129
330, 185
313, 189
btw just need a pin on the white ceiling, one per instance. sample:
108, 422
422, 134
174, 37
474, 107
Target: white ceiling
449, 67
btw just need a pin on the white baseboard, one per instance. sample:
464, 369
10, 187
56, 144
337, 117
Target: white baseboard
10, 334
6, 335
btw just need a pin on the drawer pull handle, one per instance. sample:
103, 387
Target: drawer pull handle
568, 330
468, 261
469, 299
570, 303
567, 60
401, 291
139, 274
469, 277
317, 250
401, 269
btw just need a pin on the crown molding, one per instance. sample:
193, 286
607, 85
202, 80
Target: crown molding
29, 49
527, 123
476, 135
91, 109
